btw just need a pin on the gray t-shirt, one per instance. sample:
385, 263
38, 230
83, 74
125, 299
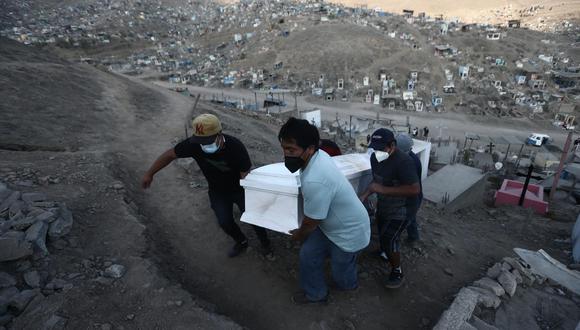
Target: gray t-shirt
331, 199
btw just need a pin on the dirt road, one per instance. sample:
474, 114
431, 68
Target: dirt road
445, 125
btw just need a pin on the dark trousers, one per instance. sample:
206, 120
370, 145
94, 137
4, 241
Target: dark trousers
391, 222
412, 227
222, 204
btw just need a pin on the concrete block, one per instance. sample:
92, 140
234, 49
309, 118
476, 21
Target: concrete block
13, 246
508, 282
486, 297
489, 284
459, 312
36, 234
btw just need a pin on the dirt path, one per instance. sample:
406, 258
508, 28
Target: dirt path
191, 249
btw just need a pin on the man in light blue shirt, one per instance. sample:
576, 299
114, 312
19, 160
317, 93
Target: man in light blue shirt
335, 223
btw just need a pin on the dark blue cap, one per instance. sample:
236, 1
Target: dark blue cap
381, 138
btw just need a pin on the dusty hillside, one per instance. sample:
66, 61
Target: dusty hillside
59, 131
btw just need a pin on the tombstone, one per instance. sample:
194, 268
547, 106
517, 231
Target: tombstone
419, 106
365, 81
340, 84
377, 100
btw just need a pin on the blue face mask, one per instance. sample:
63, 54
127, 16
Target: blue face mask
210, 148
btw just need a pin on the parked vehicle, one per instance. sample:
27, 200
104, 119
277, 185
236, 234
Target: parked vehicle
538, 140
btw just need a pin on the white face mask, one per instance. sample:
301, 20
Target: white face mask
210, 148
381, 155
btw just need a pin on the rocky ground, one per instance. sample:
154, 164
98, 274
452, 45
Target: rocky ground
157, 259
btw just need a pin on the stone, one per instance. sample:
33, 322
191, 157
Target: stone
6, 280
103, 280
4, 305
5, 319
58, 284
467, 326
480, 324
8, 293
106, 326
62, 225
33, 197
47, 217
505, 266
517, 276
448, 271
494, 271
459, 311
489, 284
13, 246
16, 207
508, 282
21, 300
55, 322
32, 279
115, 271
5, 205
130, 317
23, 223
521, 266
486, 297
36, 234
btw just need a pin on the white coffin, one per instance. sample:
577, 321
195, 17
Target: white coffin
272, 193
273, 198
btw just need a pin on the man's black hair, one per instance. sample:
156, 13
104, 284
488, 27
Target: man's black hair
301, 131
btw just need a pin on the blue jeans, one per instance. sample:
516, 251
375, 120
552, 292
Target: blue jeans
412, 227
313, 253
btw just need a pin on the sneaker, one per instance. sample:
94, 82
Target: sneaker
395, 280
238, 248
300, 298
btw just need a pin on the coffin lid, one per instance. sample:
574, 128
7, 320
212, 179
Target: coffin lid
274, 177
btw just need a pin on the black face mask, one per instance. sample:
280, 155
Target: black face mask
293, 164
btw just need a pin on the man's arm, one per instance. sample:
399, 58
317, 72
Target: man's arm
165, 159
399, 191
307, 227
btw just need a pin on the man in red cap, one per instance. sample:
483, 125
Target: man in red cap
224, 160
